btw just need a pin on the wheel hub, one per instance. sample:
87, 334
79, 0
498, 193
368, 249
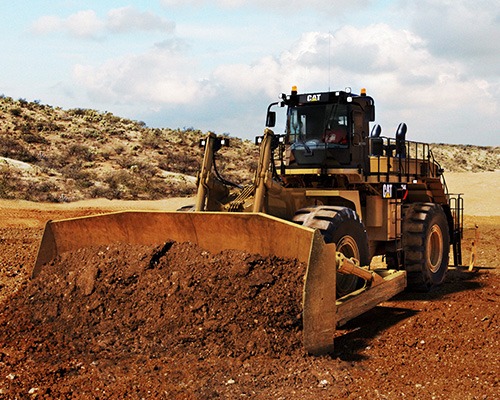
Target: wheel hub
348, 247
434, 248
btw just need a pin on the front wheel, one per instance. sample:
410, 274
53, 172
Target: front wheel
342, 226
426, 245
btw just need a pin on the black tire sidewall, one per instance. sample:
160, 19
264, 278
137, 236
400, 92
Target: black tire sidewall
415, 239
437, 217
355, 230
342, 222
347, 224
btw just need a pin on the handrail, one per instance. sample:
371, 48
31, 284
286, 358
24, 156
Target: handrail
412, 158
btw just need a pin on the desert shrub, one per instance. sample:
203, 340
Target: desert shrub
93, 116
45, 191
120, 149
92, 134
106, 154
44, 187
34, 138
127, 161
25, 128
16, 112
177, 161
122, 185
77, 112
97, 192
182, 188
117, 132
80, 152
155, 189
50, 160
112, 119
49, 126
10, 182
153, 139
82, 177
12, 148
143, 170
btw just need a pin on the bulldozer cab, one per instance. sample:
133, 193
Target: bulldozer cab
326, 129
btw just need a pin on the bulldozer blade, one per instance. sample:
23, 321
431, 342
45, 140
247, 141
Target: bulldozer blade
215, 231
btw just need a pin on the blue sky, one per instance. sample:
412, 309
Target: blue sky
217, 64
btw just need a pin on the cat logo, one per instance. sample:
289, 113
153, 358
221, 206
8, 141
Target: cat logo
314, 97
394, 191
387, 191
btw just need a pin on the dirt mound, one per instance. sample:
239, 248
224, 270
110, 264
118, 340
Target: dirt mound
126, 304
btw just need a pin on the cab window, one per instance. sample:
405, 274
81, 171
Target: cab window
326, 123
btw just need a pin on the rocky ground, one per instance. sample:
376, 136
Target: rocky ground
138, 322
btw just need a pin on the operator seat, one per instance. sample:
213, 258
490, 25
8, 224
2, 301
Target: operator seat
336, 134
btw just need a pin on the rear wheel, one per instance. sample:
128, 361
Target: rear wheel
342, 226
426, 245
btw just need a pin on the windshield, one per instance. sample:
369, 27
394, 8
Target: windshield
324, 122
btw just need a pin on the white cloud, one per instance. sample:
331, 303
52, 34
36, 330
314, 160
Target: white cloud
287, 6
462, 30
83, 24
86, 23
47, 24
242, 81
128, 18
438, 99
351, 54
158, 77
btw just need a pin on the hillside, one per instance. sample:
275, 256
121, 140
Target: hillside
55, 155
51, 154
467, 158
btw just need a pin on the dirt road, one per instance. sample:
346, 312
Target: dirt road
150, 334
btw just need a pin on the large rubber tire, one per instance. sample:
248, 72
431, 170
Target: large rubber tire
426, 245
342, 226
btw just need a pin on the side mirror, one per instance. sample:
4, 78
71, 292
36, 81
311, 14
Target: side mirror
271, 119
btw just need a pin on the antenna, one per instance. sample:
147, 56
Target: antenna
329, 57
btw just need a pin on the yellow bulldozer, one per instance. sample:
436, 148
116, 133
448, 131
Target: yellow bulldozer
329, 191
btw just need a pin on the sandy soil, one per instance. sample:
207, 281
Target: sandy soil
138, 329
481, 191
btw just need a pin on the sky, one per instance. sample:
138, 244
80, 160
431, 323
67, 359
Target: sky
217, 64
